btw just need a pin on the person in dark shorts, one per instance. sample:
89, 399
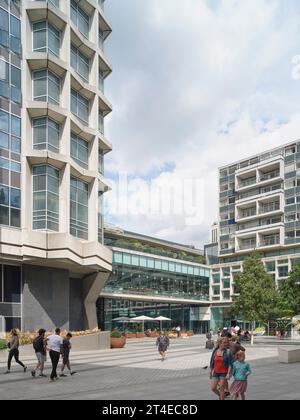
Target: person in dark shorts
39, 346
162, 343
66, 356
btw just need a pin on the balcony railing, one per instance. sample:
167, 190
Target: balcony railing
270, 208
247, 182
247, 245
275, 240
248, 213
269, 175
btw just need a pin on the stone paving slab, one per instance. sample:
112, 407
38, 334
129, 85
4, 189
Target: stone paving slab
136, 373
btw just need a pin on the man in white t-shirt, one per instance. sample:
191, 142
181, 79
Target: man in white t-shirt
55, 347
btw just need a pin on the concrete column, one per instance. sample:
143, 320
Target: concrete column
91, 288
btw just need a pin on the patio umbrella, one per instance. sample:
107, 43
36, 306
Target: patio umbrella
161, 319
142, 319
122, 319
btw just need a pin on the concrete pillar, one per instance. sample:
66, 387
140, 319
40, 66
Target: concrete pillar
91, 288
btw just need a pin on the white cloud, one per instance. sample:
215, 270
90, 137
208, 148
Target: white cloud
199, 86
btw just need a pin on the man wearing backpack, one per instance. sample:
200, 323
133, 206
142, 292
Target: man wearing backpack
39, 346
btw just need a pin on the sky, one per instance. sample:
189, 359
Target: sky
196, 84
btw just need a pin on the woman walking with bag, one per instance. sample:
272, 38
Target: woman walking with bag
13, 346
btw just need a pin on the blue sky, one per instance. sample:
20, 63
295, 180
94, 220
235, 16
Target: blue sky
197, 84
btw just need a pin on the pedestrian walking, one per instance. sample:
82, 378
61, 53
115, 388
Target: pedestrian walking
67, 346
220, 368
13, 346
240, 372
39, 346
235, 347
163, 344
178, 330
55, 346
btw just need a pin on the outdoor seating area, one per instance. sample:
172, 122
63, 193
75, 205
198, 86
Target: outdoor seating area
145, 326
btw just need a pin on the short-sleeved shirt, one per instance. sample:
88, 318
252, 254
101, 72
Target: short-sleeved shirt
66, 347
54, 342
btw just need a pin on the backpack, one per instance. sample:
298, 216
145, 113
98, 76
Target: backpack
37, 343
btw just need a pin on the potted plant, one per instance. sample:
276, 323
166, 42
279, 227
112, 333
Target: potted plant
190, 333
117, 340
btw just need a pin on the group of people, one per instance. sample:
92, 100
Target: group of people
227, 361
244, 335
55, 344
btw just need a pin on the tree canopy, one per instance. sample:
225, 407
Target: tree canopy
289, 290
256, 294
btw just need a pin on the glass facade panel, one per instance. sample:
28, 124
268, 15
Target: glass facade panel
80, 106
80, 150
46, 38
45, 198
79, 208
10, 169
80, 19
100, 218
46, 134
80, 63
134, 274
46, 86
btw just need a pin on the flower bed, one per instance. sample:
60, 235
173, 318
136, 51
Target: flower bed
28, 337
3, 344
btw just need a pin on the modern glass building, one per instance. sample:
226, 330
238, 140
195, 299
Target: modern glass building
259, 207
52, 110
155, 278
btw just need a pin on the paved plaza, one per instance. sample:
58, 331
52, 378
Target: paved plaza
136, 372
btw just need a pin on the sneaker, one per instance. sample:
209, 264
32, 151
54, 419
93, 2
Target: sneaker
25, 368
7, 372
73, 373
33, 373
41, 375
62, 375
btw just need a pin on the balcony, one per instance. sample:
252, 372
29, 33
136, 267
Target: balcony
247, 245
247, 182
270, 208
260, 175
270, 175
270, 241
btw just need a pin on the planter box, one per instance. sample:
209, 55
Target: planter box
289, 354
152, 334
97, 341
117, 343
140, 335
3, 355
130, 335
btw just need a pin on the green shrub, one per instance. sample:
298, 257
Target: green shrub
116, 334
3, 344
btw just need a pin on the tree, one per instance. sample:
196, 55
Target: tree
256, 294
289, 291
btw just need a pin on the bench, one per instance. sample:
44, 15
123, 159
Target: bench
289, 354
